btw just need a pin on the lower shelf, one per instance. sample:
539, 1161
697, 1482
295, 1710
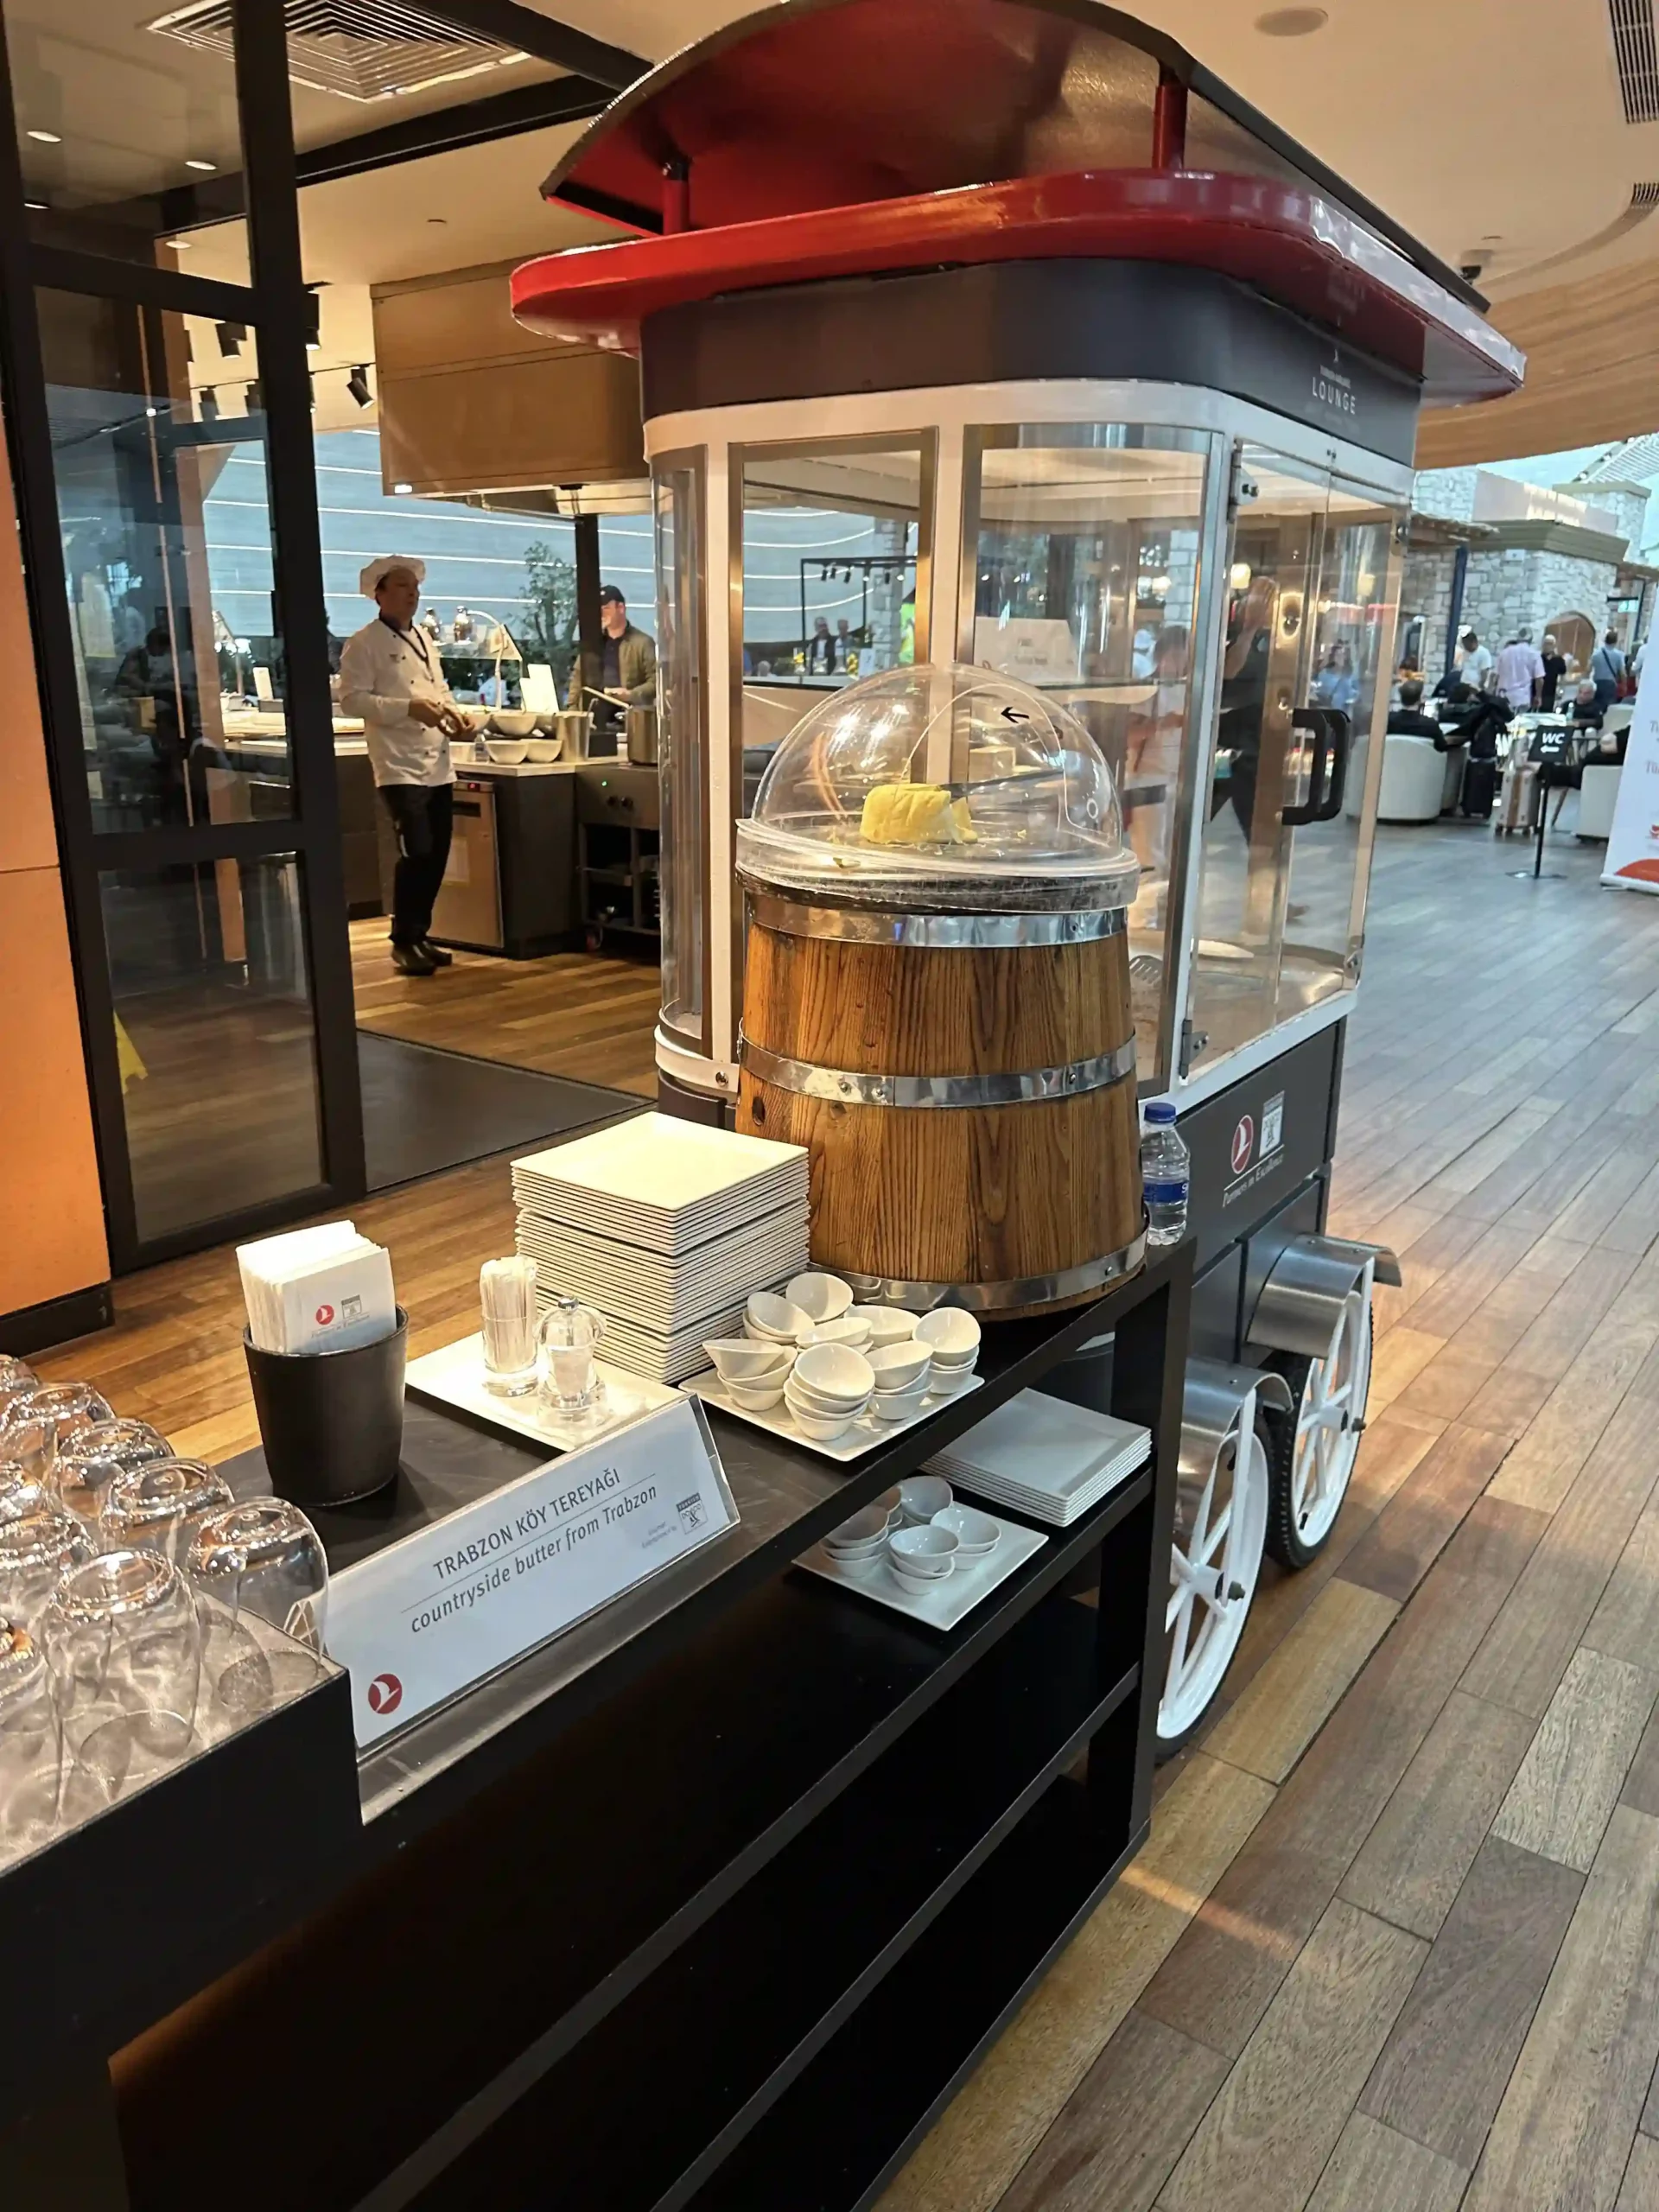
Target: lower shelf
639, 2117
835, 2140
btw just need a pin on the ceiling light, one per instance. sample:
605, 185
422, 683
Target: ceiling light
1291, 22
357, 385
403, 488
230, 336
206, 167
37, 207
178, 246
47, 138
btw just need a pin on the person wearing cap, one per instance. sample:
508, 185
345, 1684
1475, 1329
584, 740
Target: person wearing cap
391, 675
624, 669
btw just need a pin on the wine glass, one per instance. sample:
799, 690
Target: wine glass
31, 1743
124, 1645
21, 1490
263, 1564
89, 1461
159, 1506
36, 1549
33, 1428
16, 1381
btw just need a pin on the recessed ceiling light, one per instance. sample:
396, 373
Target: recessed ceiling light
47, 138
37, 207
209, 167
178, 246
403, 488
1292, 22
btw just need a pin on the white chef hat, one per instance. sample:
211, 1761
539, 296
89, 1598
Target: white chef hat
369, 582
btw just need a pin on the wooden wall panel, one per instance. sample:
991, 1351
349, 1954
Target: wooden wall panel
52, 1212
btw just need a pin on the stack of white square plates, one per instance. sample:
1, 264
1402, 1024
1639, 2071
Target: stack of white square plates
665, 1226
1044, 1458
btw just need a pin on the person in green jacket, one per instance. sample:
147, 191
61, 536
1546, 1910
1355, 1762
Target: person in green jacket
625, 669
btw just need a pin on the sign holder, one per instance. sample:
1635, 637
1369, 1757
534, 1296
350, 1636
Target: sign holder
438, 1612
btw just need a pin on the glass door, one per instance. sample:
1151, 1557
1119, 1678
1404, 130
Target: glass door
1312, 592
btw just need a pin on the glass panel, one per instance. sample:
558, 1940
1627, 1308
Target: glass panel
682, 741
831, 536
1085, 584
214, 1029
129, 132
1350, 656
1261, 762
163, 507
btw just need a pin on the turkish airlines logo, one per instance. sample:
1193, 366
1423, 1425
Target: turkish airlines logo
325, 1315
1243, 1143
385, 1693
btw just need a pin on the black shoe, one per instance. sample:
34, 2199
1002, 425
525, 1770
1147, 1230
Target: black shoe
436, 954
412, 960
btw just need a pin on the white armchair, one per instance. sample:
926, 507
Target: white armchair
1414, 780
1597, 796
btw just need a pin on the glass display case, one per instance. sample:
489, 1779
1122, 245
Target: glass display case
1205, 589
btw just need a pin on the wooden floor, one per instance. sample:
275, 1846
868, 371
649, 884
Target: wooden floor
1393, 1946
589, 1016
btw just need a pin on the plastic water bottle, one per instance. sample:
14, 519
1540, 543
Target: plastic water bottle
1164, 1166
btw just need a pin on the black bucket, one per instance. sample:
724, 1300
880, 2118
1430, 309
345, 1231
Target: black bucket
332, 1422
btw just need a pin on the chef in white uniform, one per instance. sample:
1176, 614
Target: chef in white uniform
389, 674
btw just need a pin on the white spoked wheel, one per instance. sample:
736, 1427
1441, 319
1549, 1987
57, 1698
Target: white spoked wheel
1214, 1562
1316, 1444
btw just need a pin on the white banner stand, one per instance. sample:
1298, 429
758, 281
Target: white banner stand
1632, 860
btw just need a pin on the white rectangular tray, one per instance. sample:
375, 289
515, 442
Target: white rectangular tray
863, 1436
455, 1376
956, 1595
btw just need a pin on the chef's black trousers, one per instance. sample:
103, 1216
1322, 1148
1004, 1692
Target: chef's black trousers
423, 817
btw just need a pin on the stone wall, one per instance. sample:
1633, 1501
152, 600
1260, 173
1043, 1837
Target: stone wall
1504, 592
1447, 491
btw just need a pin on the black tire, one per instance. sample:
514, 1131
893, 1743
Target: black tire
1284, 1541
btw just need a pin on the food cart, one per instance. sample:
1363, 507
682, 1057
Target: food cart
1084, 374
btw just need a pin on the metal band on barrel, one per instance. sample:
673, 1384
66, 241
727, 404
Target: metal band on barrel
847, 1087
999, 1297
935, 933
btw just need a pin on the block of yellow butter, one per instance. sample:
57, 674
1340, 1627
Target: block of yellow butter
914, 814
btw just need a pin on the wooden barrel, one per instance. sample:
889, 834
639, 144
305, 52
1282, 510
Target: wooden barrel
965, 1085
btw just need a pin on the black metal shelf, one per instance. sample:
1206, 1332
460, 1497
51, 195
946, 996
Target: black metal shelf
740, 2011
873, 2091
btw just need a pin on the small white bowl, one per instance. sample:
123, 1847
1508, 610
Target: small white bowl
947, 1381
866, 1531
769, 1318
977, 1534
888, 1504
896, 1367
509, 751
924, 1551
820, 1297
836, 1371
745, 1359
899, 1405
545, 750
847, 1330
823, 1401
952, 1334
513, 722
758, 1397
820, 1429
923, 1496
889, 1325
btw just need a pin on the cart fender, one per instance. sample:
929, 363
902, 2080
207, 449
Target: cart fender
1213, 1393
1301, 1301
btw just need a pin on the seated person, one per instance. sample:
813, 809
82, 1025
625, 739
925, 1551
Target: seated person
1587, 709
1408, 719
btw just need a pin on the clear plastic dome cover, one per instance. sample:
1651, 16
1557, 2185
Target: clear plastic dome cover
953, 786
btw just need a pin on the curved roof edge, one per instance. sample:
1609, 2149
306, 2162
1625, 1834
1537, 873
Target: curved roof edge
717, 90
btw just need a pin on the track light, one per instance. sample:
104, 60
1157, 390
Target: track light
230, 336
357, 385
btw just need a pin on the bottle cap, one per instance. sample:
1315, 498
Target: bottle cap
1161, 1111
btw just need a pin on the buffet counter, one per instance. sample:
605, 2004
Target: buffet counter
867, 1836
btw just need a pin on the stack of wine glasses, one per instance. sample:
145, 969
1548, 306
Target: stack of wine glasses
145, 1612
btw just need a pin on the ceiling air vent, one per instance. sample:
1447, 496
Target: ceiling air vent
359, 50
1645, 196
1636, 55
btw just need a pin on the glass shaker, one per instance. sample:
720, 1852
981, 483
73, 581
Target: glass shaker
570, 1334
507, 1290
